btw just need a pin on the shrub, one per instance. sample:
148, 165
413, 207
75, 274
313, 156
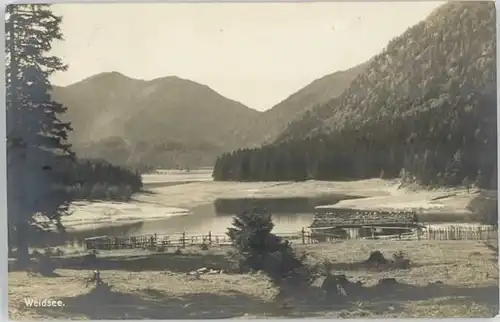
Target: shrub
259, 249
400, 260
251, 231
486, 209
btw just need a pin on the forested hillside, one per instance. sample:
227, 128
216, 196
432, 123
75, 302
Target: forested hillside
425, 109
271, 123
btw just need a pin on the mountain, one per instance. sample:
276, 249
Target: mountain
171, 121
428, 58
274, 121
162, 122
424, 109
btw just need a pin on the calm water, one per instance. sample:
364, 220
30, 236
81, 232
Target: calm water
289, 216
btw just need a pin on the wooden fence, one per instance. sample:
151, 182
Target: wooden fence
461, 233
177, 240
183, 240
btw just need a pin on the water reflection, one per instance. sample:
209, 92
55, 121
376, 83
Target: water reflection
289, 215
276, 205
204, 219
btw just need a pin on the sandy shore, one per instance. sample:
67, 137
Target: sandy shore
451, 200
197, 189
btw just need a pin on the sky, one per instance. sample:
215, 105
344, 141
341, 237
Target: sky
254, 53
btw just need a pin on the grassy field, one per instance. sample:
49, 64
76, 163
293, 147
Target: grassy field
157, 286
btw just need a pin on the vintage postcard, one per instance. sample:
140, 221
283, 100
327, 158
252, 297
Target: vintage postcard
252, 160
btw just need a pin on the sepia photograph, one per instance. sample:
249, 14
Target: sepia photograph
251, 160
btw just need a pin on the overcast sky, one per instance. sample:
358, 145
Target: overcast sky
257, 54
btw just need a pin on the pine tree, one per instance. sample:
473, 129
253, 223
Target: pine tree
36, 137
251, 231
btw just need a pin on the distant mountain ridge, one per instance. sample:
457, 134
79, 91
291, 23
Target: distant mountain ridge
171, 121
125, 120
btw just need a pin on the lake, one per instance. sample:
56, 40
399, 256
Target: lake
197, 195
289, 215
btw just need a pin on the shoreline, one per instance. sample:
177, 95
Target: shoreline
175, 194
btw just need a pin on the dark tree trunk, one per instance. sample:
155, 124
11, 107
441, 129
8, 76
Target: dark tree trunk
22, 245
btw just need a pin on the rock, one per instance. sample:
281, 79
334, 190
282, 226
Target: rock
202, 270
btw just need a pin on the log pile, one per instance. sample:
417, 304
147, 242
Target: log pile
348, 217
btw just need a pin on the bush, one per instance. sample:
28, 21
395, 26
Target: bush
251, 231
259, 249
486, 209
400, 260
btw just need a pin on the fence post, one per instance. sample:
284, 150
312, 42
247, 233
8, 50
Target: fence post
210, 237
184, 239
303, 233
